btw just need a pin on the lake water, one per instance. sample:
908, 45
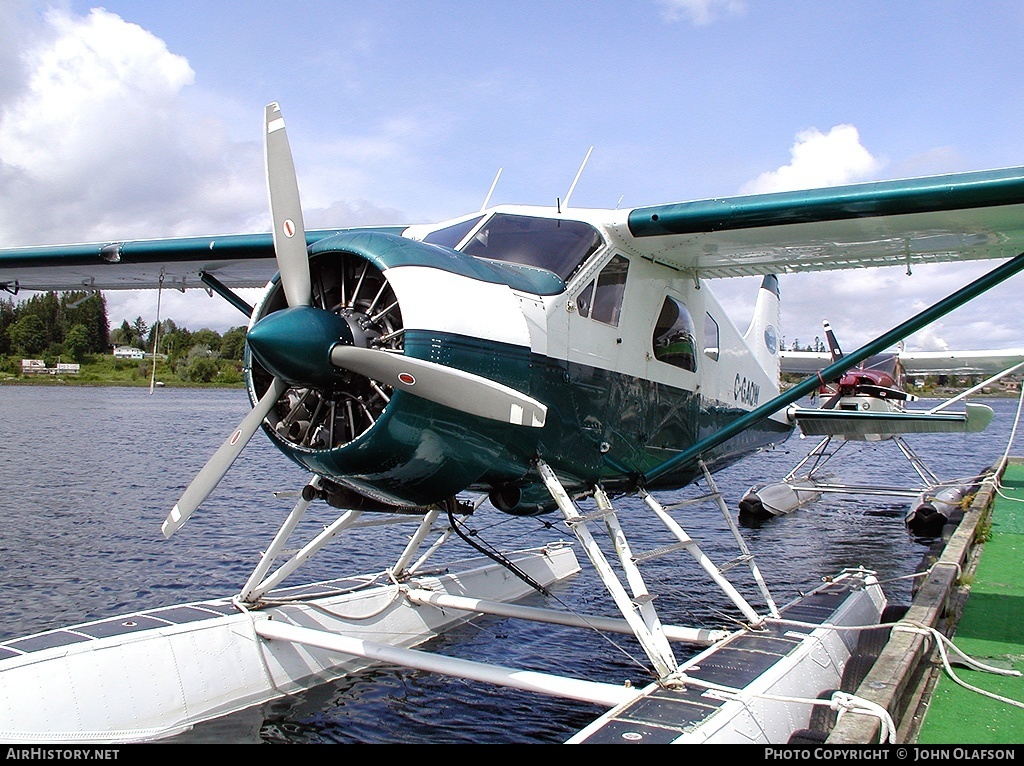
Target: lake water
89, 474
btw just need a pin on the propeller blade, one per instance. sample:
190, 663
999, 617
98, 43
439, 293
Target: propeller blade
286, 211
833, 344
453, 388
884, 392
217, 466
832, 401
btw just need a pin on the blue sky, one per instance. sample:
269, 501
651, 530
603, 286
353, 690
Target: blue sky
143, 119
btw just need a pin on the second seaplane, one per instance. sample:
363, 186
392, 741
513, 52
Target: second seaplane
544, 359
869, 403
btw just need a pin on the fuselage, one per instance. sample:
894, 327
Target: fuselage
635, 360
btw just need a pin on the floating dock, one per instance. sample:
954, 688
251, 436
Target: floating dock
973, 595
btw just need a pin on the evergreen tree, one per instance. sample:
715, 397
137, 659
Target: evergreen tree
123, 335
139, 332
7, 319
90, 311
76, 342
28, 335
46, 308
232, 346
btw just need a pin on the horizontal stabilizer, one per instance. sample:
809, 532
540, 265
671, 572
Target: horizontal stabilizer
853, 424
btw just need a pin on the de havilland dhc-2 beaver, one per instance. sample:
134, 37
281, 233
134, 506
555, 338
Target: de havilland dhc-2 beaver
549, 360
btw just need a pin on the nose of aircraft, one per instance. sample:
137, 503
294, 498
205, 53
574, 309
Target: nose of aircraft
295, 344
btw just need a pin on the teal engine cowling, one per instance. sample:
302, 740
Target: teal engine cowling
376, 447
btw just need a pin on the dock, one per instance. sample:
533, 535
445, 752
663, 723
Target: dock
973, 594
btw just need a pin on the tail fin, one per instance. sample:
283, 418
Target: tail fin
762, 336
833, 344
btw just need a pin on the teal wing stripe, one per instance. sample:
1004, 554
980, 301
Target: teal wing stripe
226, 247
884, 198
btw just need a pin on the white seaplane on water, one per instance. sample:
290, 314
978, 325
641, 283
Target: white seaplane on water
515, 360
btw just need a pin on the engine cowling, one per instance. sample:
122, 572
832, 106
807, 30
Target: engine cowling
396, 448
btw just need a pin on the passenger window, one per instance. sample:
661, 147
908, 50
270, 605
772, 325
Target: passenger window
674, 338
711, 337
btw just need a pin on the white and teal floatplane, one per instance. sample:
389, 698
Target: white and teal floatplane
549, 360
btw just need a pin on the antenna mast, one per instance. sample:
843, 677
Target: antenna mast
494, 183
577, 178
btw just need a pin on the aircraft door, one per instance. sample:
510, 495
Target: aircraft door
594, 334
595, 344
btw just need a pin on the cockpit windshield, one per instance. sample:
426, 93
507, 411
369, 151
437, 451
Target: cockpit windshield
885, 363
554, 244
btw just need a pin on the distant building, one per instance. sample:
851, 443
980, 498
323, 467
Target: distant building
129, 352
38, 367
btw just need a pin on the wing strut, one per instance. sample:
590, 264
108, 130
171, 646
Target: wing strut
963, 295
225, 292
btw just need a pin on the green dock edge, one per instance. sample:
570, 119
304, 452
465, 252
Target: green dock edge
990, 630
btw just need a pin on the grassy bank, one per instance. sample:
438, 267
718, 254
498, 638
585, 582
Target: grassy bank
105, 370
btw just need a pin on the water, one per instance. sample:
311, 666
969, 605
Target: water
89, 474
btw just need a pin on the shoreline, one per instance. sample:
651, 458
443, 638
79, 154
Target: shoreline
63, 383
945, 393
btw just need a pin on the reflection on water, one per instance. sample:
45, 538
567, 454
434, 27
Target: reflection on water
90, 473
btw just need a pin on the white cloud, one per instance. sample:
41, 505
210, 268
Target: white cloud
100, 142
104, 136
700, 12
820, 159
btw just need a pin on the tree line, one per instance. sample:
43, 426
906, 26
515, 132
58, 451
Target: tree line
74, 326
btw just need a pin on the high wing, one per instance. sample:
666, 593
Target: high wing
916, 362
963, 216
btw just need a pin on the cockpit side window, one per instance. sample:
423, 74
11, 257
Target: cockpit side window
611, 284
674, 339
450, 236
557, 245
601, 299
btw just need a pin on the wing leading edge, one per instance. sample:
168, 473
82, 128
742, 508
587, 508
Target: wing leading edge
235, 260
963, 216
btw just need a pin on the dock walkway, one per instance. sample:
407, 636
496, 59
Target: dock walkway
974, 595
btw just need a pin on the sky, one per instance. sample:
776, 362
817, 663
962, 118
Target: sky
143, 118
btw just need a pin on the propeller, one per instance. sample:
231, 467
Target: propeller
886, 392
310, 347
293, 264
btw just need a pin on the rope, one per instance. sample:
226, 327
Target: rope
1009, 445
840, 701
849, 703
942, 642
